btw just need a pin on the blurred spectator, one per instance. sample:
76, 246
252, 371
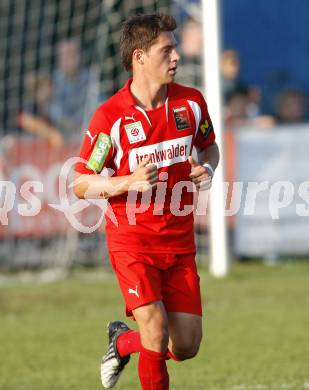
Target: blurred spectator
290, 107
230, 69
35, 117
191, 50
276, 81
236, 104
242, 103
242, 110
75, 90
254, 101
184, 9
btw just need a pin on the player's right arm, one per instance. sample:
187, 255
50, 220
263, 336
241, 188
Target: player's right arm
96, 153
97, 187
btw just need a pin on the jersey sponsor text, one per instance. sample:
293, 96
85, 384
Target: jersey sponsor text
163, 154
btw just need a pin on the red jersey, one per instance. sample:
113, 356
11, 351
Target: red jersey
119, 136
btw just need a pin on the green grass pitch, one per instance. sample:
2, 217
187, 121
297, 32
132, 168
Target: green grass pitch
256, 332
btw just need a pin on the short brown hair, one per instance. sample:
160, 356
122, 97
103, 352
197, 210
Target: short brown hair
140, 32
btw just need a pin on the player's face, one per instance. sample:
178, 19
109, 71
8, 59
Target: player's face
162, 58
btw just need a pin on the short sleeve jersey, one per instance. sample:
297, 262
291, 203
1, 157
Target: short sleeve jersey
120, 135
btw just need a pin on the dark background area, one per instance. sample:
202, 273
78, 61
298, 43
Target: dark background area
272, 38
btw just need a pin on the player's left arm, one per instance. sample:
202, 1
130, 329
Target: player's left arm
202, 170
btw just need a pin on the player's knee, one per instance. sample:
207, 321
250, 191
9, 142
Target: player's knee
154, 334
189, 349
153, 326
155, 337
193, 351
185, 354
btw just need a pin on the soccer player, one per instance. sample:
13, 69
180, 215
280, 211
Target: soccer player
144, 135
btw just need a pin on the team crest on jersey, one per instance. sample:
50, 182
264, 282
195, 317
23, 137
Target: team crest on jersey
135, 132
181, 117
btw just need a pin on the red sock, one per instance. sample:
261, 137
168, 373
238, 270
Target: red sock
128, 342
170, 355
152, 370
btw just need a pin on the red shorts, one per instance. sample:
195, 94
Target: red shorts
145, 278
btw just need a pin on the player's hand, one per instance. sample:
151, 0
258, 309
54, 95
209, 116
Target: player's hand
145, 176
200, 176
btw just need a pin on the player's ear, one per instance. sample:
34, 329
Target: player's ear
138, 56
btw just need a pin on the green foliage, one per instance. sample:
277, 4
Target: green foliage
256, 334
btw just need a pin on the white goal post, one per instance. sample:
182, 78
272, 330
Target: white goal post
219, 261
